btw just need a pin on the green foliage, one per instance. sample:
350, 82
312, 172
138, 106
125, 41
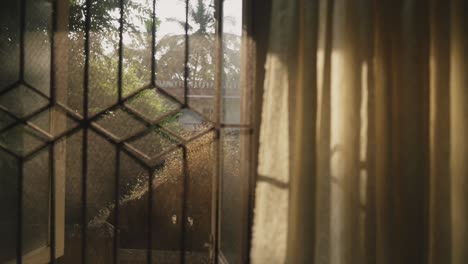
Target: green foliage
202, 17
170, 49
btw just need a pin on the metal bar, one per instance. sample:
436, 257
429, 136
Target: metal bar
9, 152
139, 116
170, 133
211, 96
219, 116
114, 106
135, 158
9, 88
186, 58
153, 45
150, 217
56, 139
142, 157
24, 121
52, 202
149, 161
21, 40
117, 205
164, 92
53, 99
231, 125
39, 92
85, 133
84, 182
19, 227
155, 159
70, 112
120, 69
117, 158
53, 92
110, 137
149, 126
31, 154
185, 175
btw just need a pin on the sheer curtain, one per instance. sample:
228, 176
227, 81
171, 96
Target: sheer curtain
364, 137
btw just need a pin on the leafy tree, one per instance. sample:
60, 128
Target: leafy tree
201, 27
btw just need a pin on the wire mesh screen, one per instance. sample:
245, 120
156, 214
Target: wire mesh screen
111, 115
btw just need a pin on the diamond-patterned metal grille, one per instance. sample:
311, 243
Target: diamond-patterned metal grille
36, 115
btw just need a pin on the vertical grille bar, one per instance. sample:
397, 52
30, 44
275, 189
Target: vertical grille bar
52, 102
85, 133
185, 175
150, 216
19, 227
219, 116
52, 201
120, 72
19, 231
153, 45
186, 54
118, 148
53, 93
117, 205
184, 148
21, 40
150, 174
84, 215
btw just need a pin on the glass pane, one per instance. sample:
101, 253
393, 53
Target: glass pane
23, 101
170, 47
133, 208
74, 59
137, 42
37, 44
103, 55
36, 197
201, 60
8, 206
201, 165
152, 105
100, 197
186, 124
119, 124
233, 202
73, 198
232, 32
9, 42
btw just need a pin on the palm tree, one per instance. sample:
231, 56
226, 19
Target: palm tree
171, 48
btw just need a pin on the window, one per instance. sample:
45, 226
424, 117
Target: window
121, 131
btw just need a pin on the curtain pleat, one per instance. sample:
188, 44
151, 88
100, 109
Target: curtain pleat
345, 134
363, 143
302, 214
459, 130
322, 249
273, 182
439, 184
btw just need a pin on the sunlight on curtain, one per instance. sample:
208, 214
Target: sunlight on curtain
365, 161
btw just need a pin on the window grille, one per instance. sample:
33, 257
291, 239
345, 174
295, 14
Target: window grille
57, 140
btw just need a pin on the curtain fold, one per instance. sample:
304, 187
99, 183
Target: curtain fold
363, 152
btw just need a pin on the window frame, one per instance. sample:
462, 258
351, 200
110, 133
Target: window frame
254, 42
255, 36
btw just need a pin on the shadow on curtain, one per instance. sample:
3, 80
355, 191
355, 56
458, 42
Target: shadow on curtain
363, 153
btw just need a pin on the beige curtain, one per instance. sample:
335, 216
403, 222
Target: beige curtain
364, 137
